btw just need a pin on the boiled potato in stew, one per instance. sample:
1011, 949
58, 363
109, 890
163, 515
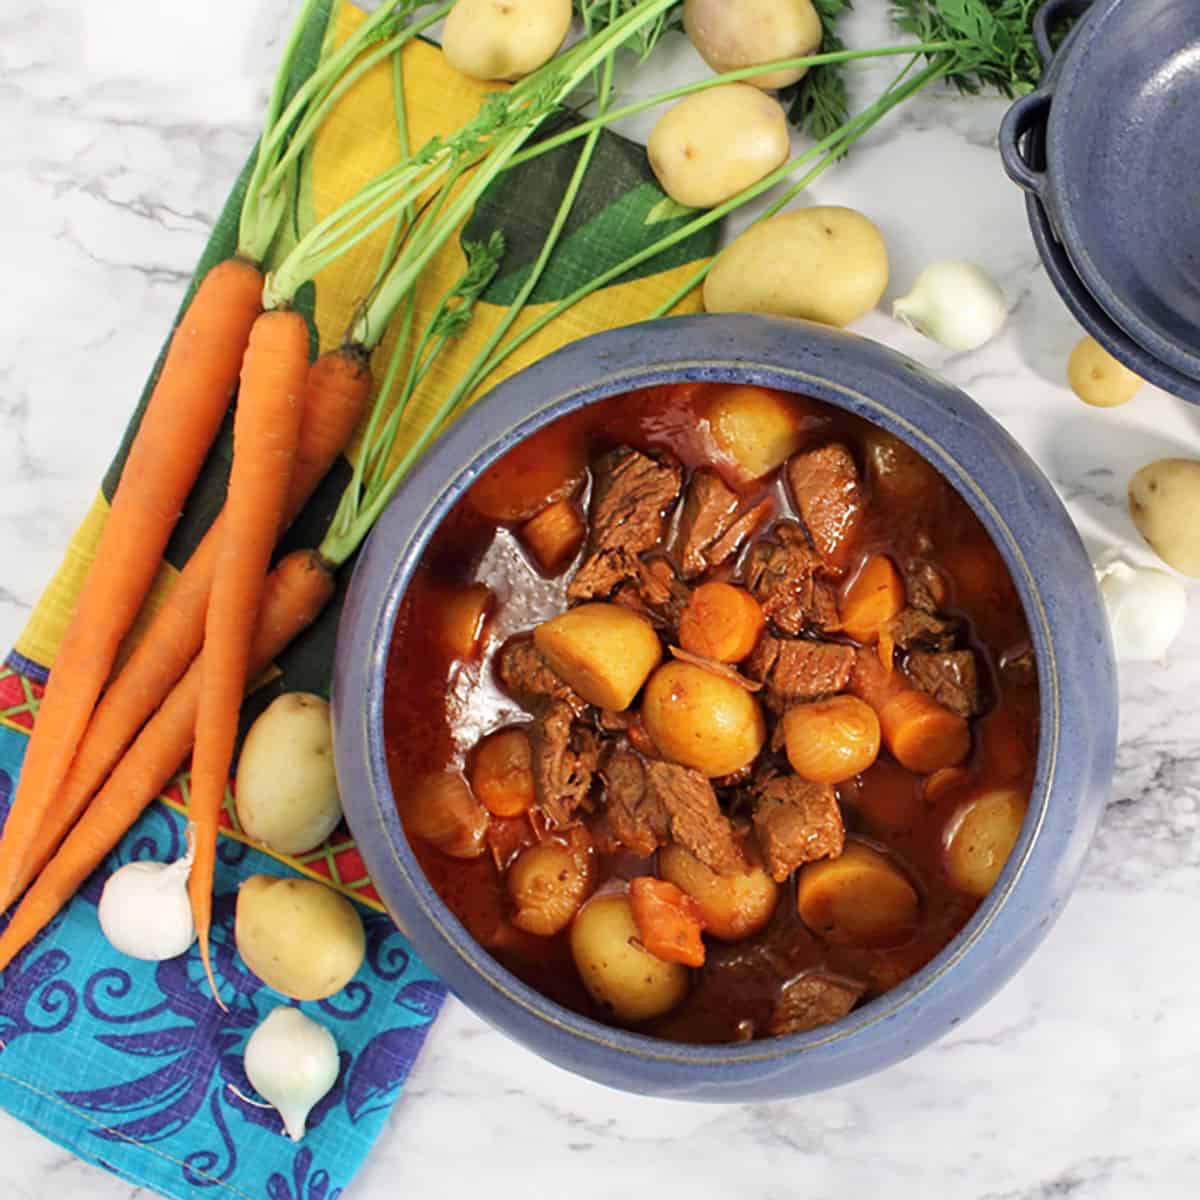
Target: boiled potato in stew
731, 719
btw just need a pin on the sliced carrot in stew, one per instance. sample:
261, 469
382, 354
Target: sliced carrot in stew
873, 599
923, 735
669, 921
721, 621
547, 466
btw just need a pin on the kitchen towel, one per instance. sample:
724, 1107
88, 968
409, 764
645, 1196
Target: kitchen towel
145, 1073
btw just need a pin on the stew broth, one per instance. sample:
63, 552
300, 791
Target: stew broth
440, 703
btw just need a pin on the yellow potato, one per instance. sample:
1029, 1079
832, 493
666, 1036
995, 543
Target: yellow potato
709, 146
701, 719
981, 837
733, 906
298, 936
621, 975
859, 898
744, 33
504, 39
604, 651
548, 882
1099, 379
826, 264
1164, 502
756, 427
286, 793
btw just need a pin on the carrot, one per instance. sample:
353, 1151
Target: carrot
178, 426
297, 590
873, 599
669, 921
923, 735
335, 397
265, 430
554, 536
721, 621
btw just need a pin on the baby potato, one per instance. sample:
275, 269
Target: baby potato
442, 810
504, 39
709, 146
981, 837
298, 936
756, 427
830, 741
701, 719
1099, 379
826, 264
733, 906
549, 881
859, 898
615, 968
604, 651
286, 793
749, 32
1164, 500
463, 615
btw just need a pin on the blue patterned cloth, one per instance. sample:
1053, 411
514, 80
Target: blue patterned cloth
135, 1067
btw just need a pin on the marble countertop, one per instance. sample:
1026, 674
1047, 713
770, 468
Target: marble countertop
124, 125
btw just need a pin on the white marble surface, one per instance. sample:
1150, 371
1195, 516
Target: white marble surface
123, 125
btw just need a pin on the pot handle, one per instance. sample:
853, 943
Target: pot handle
1047, 16
1026, 114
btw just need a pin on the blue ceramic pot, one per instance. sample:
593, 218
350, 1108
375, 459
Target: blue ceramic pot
1070, 635
1116, 168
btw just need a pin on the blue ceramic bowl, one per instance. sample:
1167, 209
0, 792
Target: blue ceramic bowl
1058, 265
1070, 635
1121, 109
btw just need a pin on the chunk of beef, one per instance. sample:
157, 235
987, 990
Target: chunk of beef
697, 822
828, 496
655, 591
530, 680
1018, 666
740, 532
784, 574
951, 677
915, 628
708, 512
926, 586
636, 814
812, 1001
632, 494
796, 822
629, 723
565, 757
796, 670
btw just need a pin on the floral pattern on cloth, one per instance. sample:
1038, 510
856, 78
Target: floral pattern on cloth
134, 1066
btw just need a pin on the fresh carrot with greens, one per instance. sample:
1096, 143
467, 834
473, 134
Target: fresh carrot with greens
178, 427
335, 397
297, 589
266, 427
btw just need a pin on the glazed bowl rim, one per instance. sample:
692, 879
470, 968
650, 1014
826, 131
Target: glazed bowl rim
473, 957
1062, 132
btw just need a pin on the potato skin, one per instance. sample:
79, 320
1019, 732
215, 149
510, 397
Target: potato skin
1164, 498
981, 837
604, 651
733, 906
1099, 379
729, 34
701, 719
709, 146
286, 792
826, 264
859, 898
504, 39
298, 936
615, 969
